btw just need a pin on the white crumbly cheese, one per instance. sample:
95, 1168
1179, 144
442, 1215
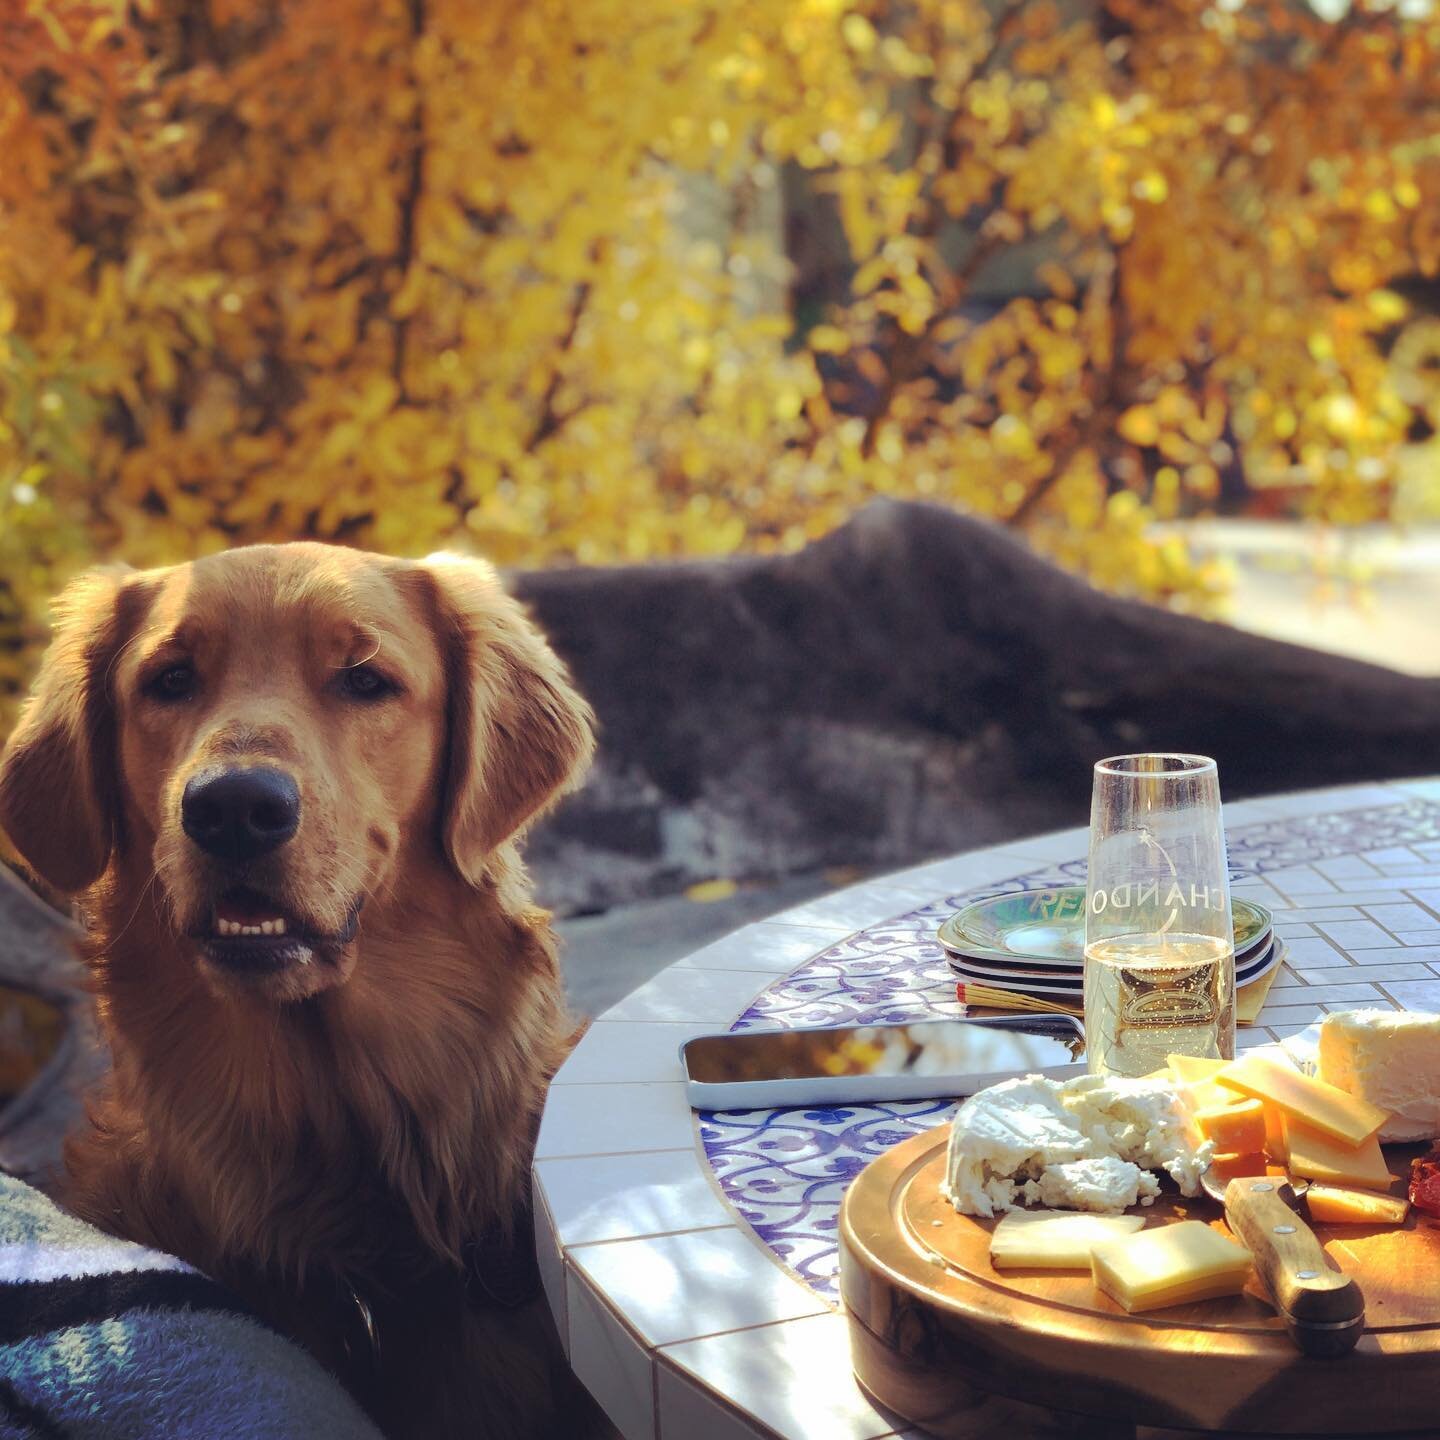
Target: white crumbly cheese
1085, 1144
1390, 1059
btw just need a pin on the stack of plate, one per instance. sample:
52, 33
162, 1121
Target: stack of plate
1033, 943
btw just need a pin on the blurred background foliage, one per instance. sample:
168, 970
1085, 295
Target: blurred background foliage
611, 280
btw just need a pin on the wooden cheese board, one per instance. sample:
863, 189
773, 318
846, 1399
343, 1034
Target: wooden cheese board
944, 1339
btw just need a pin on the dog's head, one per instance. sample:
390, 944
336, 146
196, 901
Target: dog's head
276, 733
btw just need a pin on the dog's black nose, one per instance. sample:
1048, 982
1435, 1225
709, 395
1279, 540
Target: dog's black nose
240, 814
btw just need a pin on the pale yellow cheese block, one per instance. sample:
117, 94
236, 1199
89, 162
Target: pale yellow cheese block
1170, 1265
1188, 1069
1320, 1157
1055, 1239
1335, 1205
1313, 1102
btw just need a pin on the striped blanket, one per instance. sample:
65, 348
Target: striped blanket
104, 1340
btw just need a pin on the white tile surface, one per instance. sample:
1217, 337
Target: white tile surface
795, 1378
1301, 880
1370, 974
959, 873
1056, 847
1345, 867
1338, 798
690, 994
631, 1050
768, 948
688, 1411
1306, 950
1429, 936
1289, 1014
1417, 994
614, 1197
552, 1268
1398, 955
1299, 994
1317, 914
614, 1120
1423, 788
612, 1363
676, 1287
851, 909
1353, 935
1400, 915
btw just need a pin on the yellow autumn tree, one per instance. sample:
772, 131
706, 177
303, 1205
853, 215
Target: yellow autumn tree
540, 275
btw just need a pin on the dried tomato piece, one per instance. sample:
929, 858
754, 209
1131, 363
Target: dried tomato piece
1425, 1182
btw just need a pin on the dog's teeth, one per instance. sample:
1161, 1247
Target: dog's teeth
227, 927
304, 959
250, 930
267, 927
279, 925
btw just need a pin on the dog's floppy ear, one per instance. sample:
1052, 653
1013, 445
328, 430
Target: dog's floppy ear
519, 735
58, 771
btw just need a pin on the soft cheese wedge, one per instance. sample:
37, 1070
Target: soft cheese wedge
1335, 1205
1170, 1265
1055, 1239
1320, 1157
1314, 1103
1390, 1058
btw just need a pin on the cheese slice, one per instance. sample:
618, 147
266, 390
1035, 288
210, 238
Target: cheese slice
1316, 1104
1055, 1239
1275, 1133
1170, 1265
1234, 1129
1194, 1080
1319, 1157
1188, 1069
1334, 1205
1226, 1167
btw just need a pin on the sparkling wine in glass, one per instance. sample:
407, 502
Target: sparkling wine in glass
1159, 942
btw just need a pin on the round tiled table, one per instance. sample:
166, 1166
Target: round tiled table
690, 1259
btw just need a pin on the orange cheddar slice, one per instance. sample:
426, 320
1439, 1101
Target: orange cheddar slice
1319, 1157
1227, 1167
1234, 1129
1315, 1104
1334, 1205
1275, 1134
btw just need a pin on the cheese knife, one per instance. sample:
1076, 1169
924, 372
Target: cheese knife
1323, 1310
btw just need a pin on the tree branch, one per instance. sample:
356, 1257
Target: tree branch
549, 421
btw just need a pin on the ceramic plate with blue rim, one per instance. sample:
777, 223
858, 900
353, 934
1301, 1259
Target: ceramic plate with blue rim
1046, 928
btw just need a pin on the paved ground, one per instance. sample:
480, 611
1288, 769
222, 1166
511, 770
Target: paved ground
606, 956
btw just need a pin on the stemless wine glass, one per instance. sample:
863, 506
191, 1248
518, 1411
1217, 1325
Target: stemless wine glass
1159, 943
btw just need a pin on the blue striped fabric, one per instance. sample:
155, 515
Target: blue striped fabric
104, 1340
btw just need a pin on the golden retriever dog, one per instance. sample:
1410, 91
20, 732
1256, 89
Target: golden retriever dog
286, 783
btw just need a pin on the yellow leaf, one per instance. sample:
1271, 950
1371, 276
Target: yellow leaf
708, 891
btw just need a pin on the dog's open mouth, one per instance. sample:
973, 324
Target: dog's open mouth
251, 932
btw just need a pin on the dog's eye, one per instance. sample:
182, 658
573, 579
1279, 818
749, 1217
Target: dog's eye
175, 682
364, 682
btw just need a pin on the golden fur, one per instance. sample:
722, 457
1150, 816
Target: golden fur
363, 1121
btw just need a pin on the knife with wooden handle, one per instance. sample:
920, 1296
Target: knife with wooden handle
1323, 1310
